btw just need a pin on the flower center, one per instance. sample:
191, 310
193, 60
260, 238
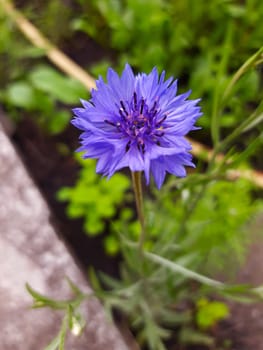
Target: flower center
139, 123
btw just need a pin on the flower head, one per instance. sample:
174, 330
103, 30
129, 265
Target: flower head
137, 121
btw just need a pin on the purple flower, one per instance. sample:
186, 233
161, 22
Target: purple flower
137, 122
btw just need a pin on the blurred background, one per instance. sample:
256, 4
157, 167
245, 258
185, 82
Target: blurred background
203, 44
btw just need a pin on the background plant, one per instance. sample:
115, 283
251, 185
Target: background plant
98, 201
194, 41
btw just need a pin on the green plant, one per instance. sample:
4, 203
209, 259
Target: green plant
209, 313
39, 93
181, 44
97, 200
73, 320
216, 229
28, 86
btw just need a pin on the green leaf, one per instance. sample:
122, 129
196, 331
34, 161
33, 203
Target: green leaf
54, 343
93, 226
64, 194
210, 312
75, 289
58, 122
75, 211
111, 245
236, 11
250, 150
257, 120
252, 61
184, 271
21, 94
60, 87
31, 52
191, 336
81, 24
94, 281
41, 300
63, 332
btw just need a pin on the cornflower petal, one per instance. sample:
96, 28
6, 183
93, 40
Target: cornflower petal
139, 122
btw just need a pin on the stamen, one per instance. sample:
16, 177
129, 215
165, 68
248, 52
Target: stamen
159, 134
128, 145
154, 106
135, 100
121, 113
138, 122
154, 113
109, 122
141, 145
123, 108
162, 120
142, 106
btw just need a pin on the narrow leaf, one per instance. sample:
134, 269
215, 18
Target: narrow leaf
254, 122
54, 343
184, 271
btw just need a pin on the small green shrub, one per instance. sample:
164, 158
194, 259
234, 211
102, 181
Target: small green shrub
97, 200
214, 225
209, 313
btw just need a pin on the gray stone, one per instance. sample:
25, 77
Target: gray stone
30, 251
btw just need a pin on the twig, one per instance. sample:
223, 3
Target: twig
62, 61
206, 153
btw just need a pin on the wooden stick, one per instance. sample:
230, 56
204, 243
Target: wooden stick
62, 61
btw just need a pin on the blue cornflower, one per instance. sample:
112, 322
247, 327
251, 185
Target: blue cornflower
137, 121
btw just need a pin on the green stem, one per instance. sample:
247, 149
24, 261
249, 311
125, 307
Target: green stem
215, 120
137, 187
252, 61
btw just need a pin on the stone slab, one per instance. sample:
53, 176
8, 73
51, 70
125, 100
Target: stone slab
30, 251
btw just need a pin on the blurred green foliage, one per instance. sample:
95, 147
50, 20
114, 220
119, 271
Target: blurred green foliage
40, 92
97, 200
200, 43
212, 222
28, 85
210, 312
192, 40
